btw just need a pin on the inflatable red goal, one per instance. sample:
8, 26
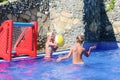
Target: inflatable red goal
26, 44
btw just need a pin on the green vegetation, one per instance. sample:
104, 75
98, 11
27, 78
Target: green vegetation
111, 6
3, 0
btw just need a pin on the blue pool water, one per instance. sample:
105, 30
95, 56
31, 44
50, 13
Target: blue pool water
101, 65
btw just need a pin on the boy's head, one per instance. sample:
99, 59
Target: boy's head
50, 35
80, 38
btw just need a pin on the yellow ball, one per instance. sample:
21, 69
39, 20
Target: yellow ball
59, 39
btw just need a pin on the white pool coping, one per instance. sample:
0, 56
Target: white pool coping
39, 55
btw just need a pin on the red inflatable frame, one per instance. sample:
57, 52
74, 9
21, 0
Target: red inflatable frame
25, 45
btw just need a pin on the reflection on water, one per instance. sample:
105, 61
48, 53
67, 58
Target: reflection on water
97, 67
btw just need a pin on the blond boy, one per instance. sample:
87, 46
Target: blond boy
50, 45
77, 51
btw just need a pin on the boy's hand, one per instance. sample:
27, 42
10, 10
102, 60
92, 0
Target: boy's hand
92, 47
59, 59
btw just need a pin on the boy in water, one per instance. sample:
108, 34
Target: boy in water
50, 45
77, 51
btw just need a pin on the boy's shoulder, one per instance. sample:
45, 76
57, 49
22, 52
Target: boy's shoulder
83, 49
72, 46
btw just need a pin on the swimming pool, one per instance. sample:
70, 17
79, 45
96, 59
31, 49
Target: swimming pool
101, 65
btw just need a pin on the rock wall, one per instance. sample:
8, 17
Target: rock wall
106, 27
88, 17
67, 17
114, 18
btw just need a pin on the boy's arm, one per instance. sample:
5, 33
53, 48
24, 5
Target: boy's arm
65, 57
87, 54
53, 44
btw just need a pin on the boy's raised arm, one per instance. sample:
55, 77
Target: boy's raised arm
87, 54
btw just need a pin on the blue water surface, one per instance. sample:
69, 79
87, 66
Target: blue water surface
101, 65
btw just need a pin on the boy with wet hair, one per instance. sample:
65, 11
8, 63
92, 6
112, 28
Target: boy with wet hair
50, 45
77, 51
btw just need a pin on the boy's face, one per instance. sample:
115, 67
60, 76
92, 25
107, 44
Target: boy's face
51, 37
